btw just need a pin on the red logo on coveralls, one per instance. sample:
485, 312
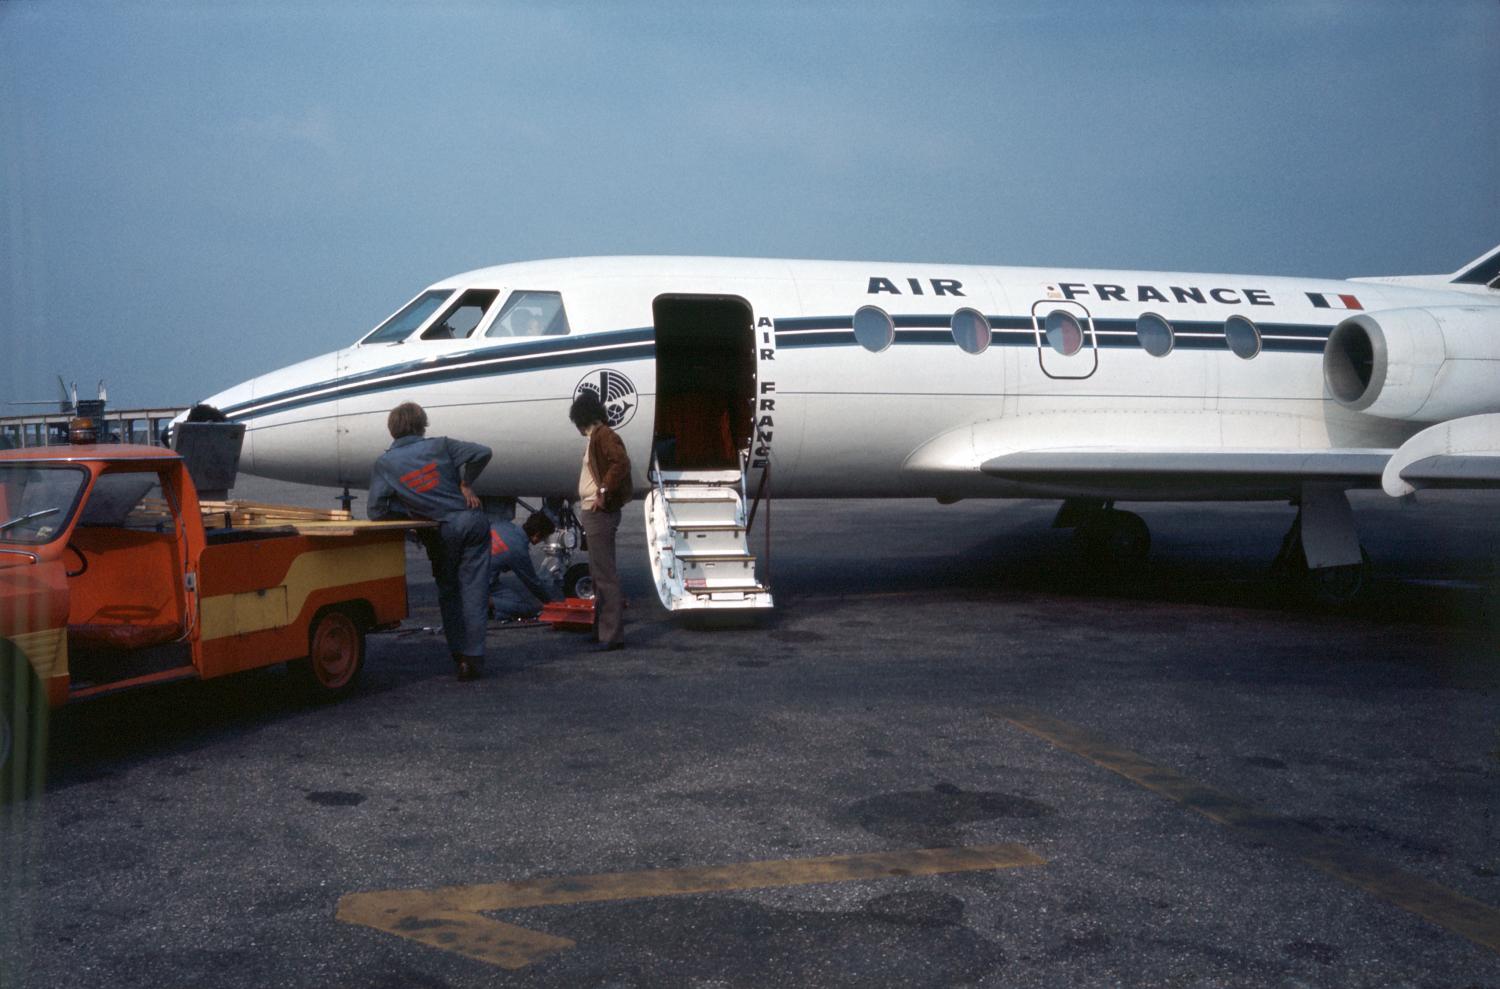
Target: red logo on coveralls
423, 479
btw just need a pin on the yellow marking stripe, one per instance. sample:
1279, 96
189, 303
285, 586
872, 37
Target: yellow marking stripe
1460, 914
46, 649
450, 918
252, 611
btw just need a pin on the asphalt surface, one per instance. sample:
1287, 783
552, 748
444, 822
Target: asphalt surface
1192, 780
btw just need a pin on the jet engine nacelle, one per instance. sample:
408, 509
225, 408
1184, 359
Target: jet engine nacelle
1421, 365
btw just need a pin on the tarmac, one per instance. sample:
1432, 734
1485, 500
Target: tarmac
949, 757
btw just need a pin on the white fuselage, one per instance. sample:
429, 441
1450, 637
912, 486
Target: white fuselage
841, 421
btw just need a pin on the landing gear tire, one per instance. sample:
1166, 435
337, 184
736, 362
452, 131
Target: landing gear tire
1335, 587
1113, 540
1325, 587
577, 583
23, 730
335, 656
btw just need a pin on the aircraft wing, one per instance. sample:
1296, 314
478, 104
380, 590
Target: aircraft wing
1159, 473
1460, 453
1061, 456
1454, 471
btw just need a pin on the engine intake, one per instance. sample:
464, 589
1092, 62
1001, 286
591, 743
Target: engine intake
1419, 365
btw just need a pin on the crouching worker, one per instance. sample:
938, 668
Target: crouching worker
422, 478
510, 552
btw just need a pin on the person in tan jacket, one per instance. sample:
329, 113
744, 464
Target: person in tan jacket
604, 486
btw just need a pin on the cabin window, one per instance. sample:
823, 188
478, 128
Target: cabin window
531, 314
462, 316
873, 328
1155, 334
412, 315
1243, 336
1064, 332
971, 331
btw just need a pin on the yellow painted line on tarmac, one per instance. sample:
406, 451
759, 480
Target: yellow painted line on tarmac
1460, 914
452, 918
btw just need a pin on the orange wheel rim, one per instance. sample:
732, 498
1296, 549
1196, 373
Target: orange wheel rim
335, 651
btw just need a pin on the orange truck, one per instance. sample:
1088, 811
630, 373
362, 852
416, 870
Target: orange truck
113, 575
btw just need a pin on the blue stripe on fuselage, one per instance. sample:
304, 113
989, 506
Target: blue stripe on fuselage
529, 355
791, 332
1017, 331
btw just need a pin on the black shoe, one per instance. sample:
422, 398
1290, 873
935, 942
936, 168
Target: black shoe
609, 646
468, 668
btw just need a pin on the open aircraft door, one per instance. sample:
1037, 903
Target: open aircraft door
1067, 345
698, 513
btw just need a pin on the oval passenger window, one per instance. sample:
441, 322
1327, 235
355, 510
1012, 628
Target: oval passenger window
873, 328
1064, 332
971, 331
1155, 334
1243, 337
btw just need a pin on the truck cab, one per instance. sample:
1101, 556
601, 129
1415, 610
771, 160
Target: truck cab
114, 575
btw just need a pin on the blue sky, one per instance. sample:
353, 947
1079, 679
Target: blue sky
196, 193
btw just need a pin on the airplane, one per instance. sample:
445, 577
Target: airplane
848, 380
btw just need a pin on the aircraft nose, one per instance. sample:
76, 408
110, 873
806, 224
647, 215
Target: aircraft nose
290, 422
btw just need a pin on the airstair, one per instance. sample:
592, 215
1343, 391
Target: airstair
697, 529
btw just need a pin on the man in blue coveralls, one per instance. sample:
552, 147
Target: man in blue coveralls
424, 478
510, 552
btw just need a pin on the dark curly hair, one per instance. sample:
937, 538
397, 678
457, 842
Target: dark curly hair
538, 526
587, 410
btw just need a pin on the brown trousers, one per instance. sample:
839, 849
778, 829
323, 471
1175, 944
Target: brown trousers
609, 602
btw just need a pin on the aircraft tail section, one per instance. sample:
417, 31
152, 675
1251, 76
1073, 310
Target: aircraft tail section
1484, 270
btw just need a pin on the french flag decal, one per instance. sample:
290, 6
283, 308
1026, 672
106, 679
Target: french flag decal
1321, 301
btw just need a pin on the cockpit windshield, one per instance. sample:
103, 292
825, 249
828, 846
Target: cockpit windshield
412, 315
530, 314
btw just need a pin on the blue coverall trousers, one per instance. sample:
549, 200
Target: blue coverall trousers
460, 555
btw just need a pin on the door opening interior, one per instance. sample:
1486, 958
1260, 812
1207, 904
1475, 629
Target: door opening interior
705, 380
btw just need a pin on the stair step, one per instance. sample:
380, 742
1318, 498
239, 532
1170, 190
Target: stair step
706, 527
713, 556
727, 476
748, 587
717, 497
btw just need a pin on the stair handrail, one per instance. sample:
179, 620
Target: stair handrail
654, 473
762, 490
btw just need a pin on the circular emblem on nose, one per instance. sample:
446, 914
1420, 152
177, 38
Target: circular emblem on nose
616, 391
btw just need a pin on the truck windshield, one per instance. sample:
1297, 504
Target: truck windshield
37, 502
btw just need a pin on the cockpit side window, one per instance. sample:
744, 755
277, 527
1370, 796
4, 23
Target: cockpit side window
406, 320
531, 314
462, 316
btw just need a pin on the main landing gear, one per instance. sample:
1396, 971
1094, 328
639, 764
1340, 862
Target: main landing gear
1108, 539
1326, 586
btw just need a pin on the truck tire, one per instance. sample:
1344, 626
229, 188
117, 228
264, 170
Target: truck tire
335, 654
23, 729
